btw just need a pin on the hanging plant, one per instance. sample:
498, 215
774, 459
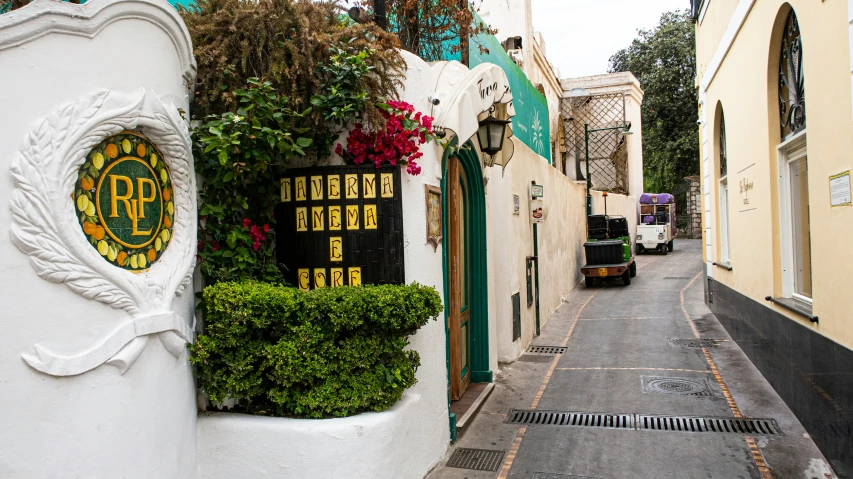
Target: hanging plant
398, 143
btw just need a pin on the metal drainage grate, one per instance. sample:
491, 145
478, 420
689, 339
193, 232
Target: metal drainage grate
548, 475
571, 419
476, 459
708, 424
531, 358
676, 277
679, 386
546, 349
694, 343
644, 422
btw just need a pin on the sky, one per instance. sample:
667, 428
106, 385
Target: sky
581, 35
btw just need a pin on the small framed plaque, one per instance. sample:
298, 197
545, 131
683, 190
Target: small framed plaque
433, 215
839, 189
537, 191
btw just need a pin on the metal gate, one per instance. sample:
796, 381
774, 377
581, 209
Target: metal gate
688, 208
608, 153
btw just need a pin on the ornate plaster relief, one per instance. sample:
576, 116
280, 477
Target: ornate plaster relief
46, 228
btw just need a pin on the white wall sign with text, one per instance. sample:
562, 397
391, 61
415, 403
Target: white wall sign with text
839, 189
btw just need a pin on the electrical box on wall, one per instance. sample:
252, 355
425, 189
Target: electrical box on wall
516, 316
530, 261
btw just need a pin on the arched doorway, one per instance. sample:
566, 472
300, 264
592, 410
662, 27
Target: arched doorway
465, 272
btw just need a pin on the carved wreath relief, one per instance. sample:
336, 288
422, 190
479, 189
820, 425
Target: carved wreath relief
124, 200
133, 195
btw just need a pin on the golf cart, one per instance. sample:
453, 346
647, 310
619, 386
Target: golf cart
657, 223
608, 250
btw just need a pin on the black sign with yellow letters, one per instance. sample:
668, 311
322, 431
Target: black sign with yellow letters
341, 226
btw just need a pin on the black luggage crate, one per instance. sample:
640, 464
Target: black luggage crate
597, 233
596, 222
617, 227
603, 252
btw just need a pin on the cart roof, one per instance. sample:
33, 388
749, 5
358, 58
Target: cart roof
662, 199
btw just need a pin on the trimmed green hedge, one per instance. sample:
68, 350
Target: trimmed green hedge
330, 352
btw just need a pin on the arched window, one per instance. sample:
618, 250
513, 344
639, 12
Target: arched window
724, 160
795, 229
792, 92
724, 187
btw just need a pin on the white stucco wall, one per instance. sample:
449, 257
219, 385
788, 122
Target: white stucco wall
511, 18
383, 445
100, 424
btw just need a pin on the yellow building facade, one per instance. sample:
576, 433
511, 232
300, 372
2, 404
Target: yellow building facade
776, 134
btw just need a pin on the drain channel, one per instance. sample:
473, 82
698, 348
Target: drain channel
694, 343
766, 427
476, 459
571, 419
645, 422
546, 349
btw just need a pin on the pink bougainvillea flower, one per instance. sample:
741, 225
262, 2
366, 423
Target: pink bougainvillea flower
394, 144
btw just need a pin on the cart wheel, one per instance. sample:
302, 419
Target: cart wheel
589, 281
626, 277
640, 249
671, 245
633, 269
663, 248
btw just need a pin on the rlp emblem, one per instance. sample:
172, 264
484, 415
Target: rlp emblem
124, 201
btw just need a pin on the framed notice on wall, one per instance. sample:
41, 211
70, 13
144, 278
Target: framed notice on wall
341, 226
839, 189
433, 216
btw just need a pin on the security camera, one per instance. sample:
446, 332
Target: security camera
434, 100
698, 122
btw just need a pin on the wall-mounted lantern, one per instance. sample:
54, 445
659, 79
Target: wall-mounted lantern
491, 133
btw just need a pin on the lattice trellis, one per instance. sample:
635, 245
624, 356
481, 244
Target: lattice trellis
608, 153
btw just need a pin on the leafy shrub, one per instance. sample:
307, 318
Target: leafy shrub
291, 44
241, 156
330, 352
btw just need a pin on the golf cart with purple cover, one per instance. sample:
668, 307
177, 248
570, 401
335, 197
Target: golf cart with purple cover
656, 230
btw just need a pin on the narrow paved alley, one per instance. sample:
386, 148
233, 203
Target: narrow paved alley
631, 351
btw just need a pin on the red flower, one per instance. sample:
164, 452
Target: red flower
246, 222
339, 150
266, 228
394, 144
